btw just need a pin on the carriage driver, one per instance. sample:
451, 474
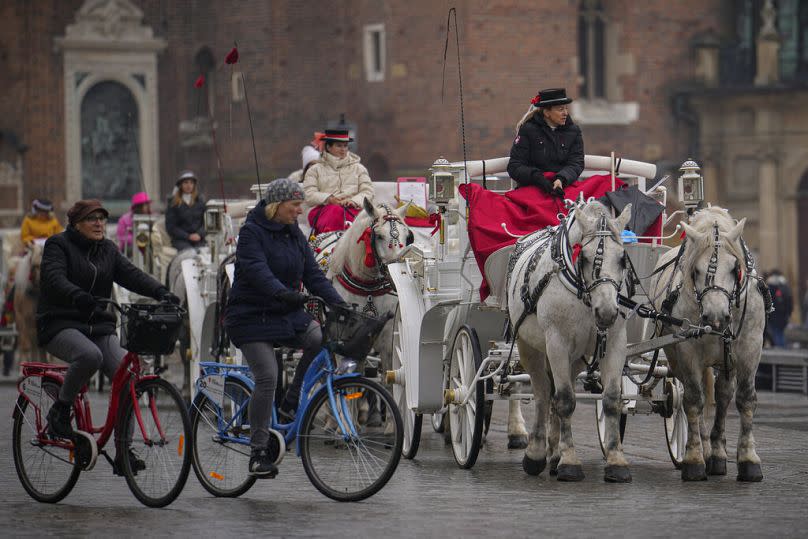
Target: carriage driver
78, 268
548, 150
265, 307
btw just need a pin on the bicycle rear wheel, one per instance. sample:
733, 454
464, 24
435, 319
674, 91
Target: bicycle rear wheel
221, 452
356, 465
166, 448
47, 472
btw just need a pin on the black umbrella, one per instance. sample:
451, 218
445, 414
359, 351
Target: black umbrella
644, 209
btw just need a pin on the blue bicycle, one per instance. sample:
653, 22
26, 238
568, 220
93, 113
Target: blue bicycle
348, 430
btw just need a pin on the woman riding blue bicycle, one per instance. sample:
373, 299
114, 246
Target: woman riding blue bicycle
265, 306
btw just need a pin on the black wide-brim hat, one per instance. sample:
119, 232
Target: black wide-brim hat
551, 97
337, 135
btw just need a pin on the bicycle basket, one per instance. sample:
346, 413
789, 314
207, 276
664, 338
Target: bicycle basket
351, 333
149, 328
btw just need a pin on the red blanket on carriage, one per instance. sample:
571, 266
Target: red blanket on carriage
523, 210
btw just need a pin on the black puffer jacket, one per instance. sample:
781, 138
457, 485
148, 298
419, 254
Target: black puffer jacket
183, 220
538, 149
73, 266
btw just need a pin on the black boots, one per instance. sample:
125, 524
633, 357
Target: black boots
59, 421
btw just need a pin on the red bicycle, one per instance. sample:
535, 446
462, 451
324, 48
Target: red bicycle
146, 413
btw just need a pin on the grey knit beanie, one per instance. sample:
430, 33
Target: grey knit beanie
283, 189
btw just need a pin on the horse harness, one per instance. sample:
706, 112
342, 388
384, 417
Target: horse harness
381, 284
734, 296
569, 272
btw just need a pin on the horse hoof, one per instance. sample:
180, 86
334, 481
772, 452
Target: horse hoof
693, 471
570, 472
750, 471
554, 465
533, 467
517, 441
716, 466
617, 474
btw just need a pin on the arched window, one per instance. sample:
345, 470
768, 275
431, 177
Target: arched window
592, 49
202, 97
110, 159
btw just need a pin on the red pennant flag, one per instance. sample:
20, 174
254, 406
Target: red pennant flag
232, 56
200, 82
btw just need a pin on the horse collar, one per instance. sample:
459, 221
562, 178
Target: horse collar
353, 284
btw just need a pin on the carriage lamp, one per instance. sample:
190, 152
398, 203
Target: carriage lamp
691, 184
214, 217
441, 182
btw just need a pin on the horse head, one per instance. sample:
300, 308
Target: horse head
377, 237
389, 233
601, 259
713, 264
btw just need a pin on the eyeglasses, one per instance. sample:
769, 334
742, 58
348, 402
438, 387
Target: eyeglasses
95, 219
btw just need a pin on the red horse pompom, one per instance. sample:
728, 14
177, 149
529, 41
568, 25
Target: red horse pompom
200, 81
232, 56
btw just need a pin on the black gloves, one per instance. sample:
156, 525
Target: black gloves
292, 299
558, 192
168, 297
85, 301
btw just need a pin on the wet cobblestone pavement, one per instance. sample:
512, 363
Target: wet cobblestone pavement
430, 496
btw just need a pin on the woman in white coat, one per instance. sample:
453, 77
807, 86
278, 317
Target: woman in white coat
336, 185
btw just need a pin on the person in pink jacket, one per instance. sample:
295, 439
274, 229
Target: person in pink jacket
141, 204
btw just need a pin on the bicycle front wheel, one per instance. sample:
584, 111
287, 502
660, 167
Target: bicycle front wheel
221, 452
348, 451
48, 469
161, 440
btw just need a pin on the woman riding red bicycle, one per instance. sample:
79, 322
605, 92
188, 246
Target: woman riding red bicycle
78, 269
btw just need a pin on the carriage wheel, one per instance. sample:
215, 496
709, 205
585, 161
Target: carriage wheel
466, 421
411, 420
676, 424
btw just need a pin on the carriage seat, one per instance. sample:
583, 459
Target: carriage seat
496, 273
384, 193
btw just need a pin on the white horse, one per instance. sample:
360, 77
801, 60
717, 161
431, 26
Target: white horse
26, 297
712, 279
565, 309
357, 265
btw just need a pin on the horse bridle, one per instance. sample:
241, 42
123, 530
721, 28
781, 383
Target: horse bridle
709, 278
584, 290
395, 237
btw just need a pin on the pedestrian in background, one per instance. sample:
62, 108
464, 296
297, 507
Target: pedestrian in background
185, 214
141, 205
40, 224
783, 302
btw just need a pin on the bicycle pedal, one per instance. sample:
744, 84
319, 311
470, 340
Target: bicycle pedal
86, 450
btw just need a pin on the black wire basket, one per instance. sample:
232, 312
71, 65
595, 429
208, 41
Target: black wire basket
150, 328
351, 333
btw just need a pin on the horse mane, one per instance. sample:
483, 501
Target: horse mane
340, 254
593, 209
22, 272
703, 221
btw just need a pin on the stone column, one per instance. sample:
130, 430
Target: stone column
768, 47
709, 171
769, 237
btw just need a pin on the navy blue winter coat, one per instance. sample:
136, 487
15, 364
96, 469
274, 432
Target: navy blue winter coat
271, 258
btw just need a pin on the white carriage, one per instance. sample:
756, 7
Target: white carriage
450, 357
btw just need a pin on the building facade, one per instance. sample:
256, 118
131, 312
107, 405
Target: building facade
100, 96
